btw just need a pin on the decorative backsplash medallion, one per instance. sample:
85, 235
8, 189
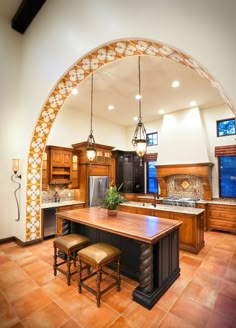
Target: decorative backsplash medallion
80, 70
182, 185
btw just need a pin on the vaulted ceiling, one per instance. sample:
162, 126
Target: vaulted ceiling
117, 83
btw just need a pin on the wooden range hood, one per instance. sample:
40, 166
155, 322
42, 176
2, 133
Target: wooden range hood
201, 170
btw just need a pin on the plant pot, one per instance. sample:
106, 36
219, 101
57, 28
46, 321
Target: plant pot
111, 212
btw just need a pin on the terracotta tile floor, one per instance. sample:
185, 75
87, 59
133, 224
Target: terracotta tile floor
203, 296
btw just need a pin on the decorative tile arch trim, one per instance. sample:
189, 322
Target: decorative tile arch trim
72, 77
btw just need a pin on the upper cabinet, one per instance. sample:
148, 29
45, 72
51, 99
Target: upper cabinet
129, 171
103, 155
60, 167
61, 164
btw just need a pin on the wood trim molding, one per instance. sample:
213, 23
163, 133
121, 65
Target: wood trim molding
201, 170
20, 242
225, 150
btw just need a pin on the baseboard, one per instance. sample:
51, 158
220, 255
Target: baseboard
20, 242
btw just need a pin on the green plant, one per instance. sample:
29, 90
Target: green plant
112, 198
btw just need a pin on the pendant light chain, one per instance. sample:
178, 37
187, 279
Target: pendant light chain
139, 89
91, 104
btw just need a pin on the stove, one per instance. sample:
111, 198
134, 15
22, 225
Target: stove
180, 201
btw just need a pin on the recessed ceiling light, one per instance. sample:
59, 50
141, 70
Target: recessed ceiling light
110, 107
175, 84
161, 111
135, 118
193, 103
138, 96
74, 92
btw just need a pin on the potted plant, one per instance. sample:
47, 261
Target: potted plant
112, 200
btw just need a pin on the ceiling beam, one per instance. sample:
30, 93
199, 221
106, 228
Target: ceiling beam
26, 12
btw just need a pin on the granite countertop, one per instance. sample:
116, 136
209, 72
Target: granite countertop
201, 201
222, 202
170, 208
59, 204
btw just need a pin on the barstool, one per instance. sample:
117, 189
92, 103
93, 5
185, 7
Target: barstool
97, 256
69, 244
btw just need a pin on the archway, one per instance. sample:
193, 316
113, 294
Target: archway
72, 77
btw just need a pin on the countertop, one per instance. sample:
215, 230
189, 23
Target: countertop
169, 208
139, 227
201, 201
59, 204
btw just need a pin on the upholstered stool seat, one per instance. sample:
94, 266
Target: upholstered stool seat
69, 244
97, 256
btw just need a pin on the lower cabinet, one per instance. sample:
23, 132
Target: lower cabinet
59, 230
191, 232
221, 217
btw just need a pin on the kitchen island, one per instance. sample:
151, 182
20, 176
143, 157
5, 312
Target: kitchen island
149, 245
191, 233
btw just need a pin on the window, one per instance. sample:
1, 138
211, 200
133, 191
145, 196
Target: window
227, 176
152, 139
226, 127
152, 185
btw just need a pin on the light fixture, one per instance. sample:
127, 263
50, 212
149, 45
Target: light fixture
139, 140
91, 146
15, 178
175, 84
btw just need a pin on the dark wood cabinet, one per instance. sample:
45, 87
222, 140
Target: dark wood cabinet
129, 172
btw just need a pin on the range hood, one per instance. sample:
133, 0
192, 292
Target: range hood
183, 153
201, 170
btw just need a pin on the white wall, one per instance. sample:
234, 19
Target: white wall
10, 131
63, 31
74, 126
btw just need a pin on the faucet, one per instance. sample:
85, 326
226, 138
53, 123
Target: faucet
56, 197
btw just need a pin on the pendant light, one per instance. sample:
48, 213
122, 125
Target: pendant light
139, 140
91, 146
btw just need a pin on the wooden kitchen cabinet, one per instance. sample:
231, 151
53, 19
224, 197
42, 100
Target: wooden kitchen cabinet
191, 233
101, 166
103, 153
60, 165
45, 170
129, 172
221, 217
62, 209
75, 170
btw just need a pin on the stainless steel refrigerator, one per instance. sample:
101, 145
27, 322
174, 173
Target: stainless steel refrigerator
97, 189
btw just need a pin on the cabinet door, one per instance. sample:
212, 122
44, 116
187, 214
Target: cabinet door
138, 172
59, 220
60, 158
45, 171
75, 171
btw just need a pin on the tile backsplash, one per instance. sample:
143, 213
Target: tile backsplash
64, 194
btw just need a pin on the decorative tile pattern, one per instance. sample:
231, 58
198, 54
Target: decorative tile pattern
182, 185
81, 69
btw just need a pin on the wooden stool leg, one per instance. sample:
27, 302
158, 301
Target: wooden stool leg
98, 296
68, 274
55, 261
79, 276
118, 274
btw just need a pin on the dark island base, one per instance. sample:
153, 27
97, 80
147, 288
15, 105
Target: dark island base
148, 300
155, 266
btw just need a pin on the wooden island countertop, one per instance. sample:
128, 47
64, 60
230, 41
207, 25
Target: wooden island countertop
149, 246
144, 228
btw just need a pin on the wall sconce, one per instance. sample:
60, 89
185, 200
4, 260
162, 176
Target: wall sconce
15, 178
